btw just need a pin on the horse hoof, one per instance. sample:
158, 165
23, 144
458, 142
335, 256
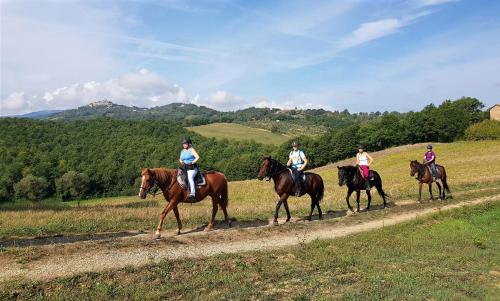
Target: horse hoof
275, 222
367, 209
208, 228
320, 217
287, 220
157, 236
178, 232
229, 224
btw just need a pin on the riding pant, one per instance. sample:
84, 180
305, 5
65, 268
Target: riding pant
191, 174
433, 169
366, 171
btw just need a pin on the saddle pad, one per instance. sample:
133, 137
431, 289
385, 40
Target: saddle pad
199, 179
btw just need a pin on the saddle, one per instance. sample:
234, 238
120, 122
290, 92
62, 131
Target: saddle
293, 175
199, 179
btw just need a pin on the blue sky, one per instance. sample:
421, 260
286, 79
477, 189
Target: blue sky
356, 54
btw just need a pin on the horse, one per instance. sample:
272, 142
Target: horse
284, 186
424, 175
166, 180
351, 176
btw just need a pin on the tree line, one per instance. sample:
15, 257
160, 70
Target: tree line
104, 156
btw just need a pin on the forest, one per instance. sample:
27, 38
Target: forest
103, 156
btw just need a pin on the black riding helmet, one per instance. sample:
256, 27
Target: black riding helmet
361, 146
429, 146
187, 140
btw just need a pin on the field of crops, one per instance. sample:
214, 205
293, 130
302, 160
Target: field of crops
239, 132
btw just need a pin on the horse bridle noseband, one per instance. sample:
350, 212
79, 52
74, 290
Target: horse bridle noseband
154, 184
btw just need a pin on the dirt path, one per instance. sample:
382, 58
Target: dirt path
108, 257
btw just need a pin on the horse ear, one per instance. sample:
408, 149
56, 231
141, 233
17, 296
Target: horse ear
269, 157
338, 167
148, 170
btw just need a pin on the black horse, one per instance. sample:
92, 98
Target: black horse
284, 186
351, 176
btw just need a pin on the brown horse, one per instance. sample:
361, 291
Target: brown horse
283, 185
166, 180
424, 176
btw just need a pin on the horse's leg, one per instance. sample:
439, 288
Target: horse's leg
224, 210
358, 194
163, 214
439, 188
320, 213
177, 217
313, 204
278, 206
430, 191
215, 208
288, 216
419, 191
349, 192
368, 193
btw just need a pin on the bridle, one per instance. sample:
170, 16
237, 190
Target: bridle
154, 184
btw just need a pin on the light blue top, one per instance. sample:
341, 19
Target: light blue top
187, 156
297, 158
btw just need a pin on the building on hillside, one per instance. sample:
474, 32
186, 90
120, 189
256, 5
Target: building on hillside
495, 112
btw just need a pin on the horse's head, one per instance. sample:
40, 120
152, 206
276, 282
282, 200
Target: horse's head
414, 167
342, 175
147, 182
265, 165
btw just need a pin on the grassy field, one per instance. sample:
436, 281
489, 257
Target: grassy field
238, 132
468, 164
453, 255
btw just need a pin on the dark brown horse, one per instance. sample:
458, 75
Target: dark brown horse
283, 185
351, 176
424, 176
166, 180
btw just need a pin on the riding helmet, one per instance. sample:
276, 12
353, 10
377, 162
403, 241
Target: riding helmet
295, 143
361, 146
429, 146
187, 140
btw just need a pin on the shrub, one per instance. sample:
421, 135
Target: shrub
485, 130
73, 185
32, 188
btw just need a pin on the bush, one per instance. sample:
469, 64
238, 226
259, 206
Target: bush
32, 188
485, 130
72, 185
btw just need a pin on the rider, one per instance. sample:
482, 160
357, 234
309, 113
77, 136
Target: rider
297, 161
364, 160
188, 160
430, 159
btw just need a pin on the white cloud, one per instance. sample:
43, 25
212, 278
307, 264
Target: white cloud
422, 3
371, 31
143, 89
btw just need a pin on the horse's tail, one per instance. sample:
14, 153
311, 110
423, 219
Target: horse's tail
445, 182
378, 185
321, 192
224, 193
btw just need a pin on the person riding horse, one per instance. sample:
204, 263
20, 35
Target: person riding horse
363, 161
188, 159
430, 160
297, 161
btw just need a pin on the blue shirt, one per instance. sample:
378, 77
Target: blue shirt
187, 156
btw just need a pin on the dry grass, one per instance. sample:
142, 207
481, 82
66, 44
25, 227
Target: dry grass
469, 165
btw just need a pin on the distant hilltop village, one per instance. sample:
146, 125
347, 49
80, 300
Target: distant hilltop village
101, 103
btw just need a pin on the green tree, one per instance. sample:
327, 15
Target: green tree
32, 188
73, 185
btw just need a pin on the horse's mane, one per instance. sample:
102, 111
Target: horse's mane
162, 175
277, 163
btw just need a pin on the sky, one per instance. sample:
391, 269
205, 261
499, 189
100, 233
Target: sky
360, 55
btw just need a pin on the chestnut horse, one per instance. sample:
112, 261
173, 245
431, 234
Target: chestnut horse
283, 185
166, 180
424, 175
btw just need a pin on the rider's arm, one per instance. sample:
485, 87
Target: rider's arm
289, 163
180, 160
370, 159
305, 163
357, 159
195, 154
